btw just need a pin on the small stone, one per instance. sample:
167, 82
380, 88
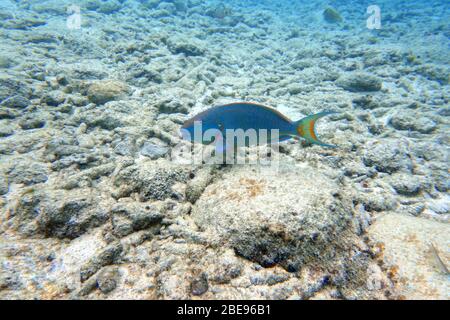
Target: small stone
78, 100
105, 257
359, 82
378, 201
124, 148
440, 205
406, 184
109, 7
87, 287
331, 15
366, 102
17, 101
86, 141
199, 285
268, 279
105, 121
107, 279
441, 180
197, 185
154, 151
414, 209
127, 218
102, 91
295, 88
32, 123
6, 130
23, 24
152, 181
10, 280
8, 114
10, 87
62, 80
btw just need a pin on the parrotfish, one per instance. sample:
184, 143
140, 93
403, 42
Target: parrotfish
245, 116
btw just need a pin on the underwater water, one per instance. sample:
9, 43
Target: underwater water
95, 202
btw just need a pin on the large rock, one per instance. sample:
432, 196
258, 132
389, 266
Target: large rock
4, 185
107, 279
407, 120
129, 217
105, 257
10, 88
152, 180
331, 15
189, 47
32, 122
154, 149
296, 217
17, 101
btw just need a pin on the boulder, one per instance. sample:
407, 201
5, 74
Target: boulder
295, 217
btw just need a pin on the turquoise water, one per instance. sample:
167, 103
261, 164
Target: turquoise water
93, 94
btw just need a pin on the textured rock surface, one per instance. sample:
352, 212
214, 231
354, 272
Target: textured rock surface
95, 204
406, 244
259, 214
272, 223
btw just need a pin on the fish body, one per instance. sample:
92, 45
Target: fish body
250, 116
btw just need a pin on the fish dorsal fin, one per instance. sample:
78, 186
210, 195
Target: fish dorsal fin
260, 106
198, 116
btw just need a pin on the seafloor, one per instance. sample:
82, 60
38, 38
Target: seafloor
93, 205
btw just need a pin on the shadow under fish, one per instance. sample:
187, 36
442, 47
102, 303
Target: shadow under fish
245, 124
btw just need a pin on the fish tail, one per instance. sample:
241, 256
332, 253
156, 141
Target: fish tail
305, 128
